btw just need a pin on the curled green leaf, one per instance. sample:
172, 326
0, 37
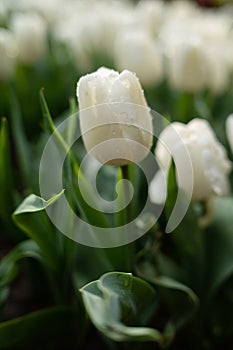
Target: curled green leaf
115, 304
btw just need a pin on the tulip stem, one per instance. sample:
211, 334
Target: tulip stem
127, 217
125, 176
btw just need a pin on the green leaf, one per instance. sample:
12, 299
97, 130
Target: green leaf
186, 239
20, 141
6, 184
50, 125
48, 326
180, 300
9, 264
219, 246
95, 217
34, 203
218, 317
172, 191
116, 302
30, 216
186, 303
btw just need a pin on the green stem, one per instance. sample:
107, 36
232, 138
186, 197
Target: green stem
127, 249
125, 176
185, 107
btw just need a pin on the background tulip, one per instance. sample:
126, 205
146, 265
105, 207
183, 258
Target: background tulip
188, 65
8, 54
136, 50
30, 32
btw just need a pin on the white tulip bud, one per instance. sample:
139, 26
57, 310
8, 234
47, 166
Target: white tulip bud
151, 15
30, 32
113, 108
229, 130
188, 66
210, 164
8, 53
219, 79
137, 51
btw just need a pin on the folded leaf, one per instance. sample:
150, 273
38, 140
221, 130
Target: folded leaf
115, 304
9, 264
30, 216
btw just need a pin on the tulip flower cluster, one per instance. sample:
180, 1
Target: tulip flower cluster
177, 42
116, 182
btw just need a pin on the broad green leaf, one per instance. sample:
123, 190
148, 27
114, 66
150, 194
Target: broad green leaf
30, 216
188, 301
218, 315
116, 302
6, 184
219, 246
180, 300
9, 264
47, 326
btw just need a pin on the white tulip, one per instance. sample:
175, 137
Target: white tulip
210, 164
188, 65
181, 9
219, 78
113, 108
8, 53
137, 51
71, 43
30, 31
229, 130
214, 27
151, 15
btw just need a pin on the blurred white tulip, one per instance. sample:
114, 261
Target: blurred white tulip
219, 78
214, 27
137, 51
150, 15
30, 31
188, 66
210, 164
113, 107
89, 35
181, 9
8, 53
